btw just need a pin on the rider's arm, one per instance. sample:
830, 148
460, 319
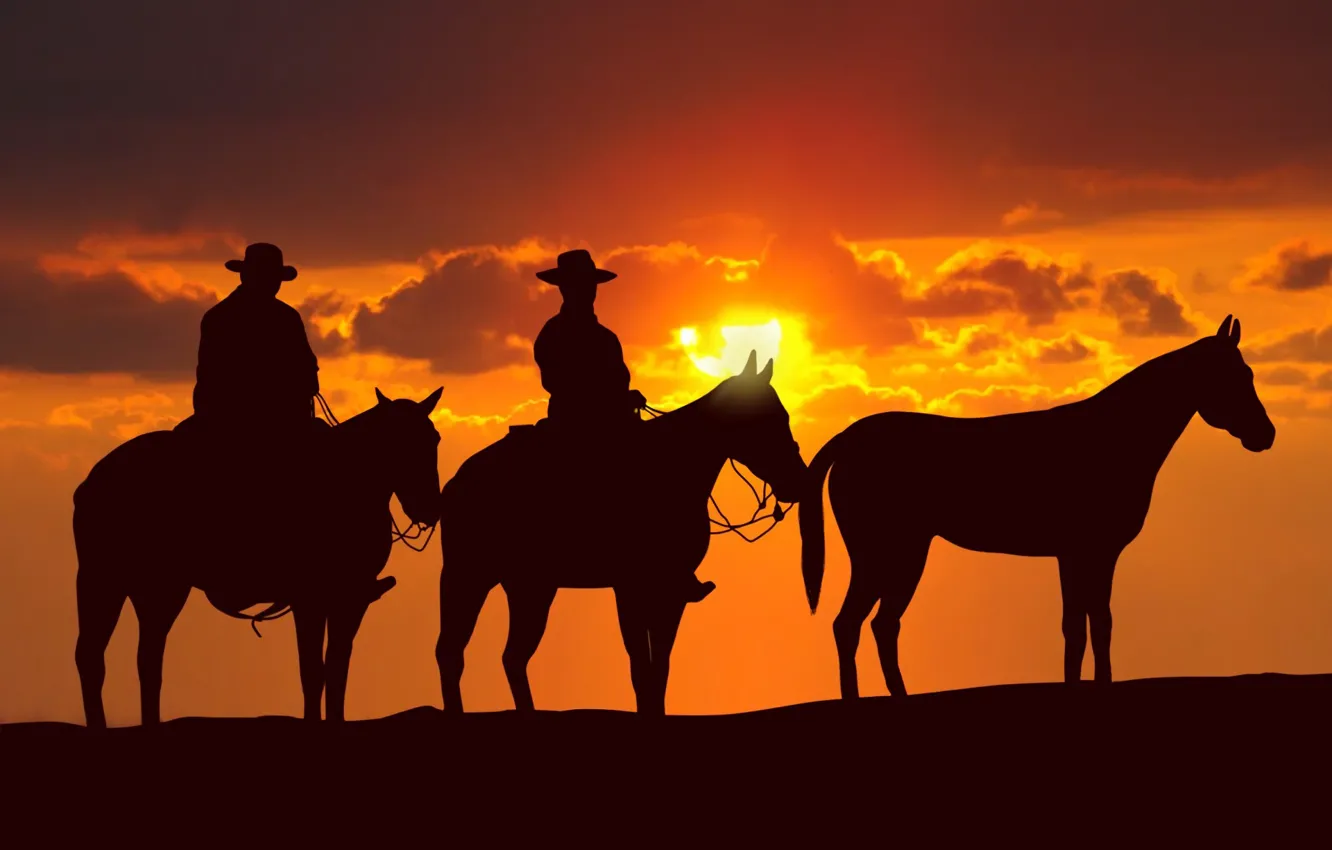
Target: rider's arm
305, 354
547, 367
208, 353
622, 371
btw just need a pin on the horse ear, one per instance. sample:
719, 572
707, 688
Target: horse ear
382, 398
1224, 330
751, 367
1235, 333
766, 374
431, 400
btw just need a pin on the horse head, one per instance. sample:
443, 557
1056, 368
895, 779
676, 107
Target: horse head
757, 430
1229, 400
411, 444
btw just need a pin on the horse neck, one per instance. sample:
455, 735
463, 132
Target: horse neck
1154, 403
688, 444
357, 460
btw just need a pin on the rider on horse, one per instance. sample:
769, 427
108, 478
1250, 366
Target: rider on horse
256, 366
582, 367
256, 380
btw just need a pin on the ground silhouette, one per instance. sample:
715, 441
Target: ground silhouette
629, 515
1152, 761
1006, 484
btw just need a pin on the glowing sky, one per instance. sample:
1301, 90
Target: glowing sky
943, 206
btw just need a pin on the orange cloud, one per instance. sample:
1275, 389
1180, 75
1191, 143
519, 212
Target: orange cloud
1029, 213
120, 417
1292, 267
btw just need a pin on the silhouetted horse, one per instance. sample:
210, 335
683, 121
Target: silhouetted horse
142, 530
1073, 482
535, 516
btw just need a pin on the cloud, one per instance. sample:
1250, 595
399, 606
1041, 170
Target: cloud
985, 279
1324, 381
1072, 347
1010, 355
478, 310
66, 324
1310, 345
1145, 306
1292, 267
1284, 376
120, 417
259, 138
317, 309
996, 399
1029, 213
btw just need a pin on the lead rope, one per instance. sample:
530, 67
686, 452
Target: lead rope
726, 526
277, 611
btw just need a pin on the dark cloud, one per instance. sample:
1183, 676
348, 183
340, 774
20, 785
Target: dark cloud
1068, 349
470, 315
480, 311
1311, 345
324, 305
1295, 267
354, 132
983, 341
1002, 282
1324, 381
105, 323
1144, 306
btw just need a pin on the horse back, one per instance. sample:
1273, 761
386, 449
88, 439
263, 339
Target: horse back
137, 459
1018, 483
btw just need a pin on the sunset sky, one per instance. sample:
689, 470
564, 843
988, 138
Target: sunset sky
965, 208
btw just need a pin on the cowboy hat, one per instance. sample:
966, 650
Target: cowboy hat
262, 257
575, 267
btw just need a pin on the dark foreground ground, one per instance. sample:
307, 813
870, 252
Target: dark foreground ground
1149, 762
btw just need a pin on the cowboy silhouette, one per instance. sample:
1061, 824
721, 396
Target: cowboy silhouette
255, 361
254, 391
582, 367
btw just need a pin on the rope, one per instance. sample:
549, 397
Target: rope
277, 611
726, 526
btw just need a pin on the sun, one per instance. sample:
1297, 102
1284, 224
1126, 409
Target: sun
737, 342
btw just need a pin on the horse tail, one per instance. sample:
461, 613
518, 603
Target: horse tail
811, 522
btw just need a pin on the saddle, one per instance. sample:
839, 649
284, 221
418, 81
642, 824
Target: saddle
572, 459
247, 497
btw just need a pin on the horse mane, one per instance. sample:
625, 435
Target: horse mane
1153, 370
695, 407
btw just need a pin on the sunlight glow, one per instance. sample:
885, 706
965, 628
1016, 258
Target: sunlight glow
738, 341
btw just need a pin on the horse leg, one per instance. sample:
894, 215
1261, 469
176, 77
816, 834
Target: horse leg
634, 633
1100, 578
529, 609
310, 624
1072, 581
662, 631
900, 579
157, 610
460, 603
860, 598
343, 624
99, 609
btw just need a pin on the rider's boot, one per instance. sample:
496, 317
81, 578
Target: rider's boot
382, 586
697, 591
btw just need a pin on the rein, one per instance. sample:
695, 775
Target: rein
726, 526
277, 611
